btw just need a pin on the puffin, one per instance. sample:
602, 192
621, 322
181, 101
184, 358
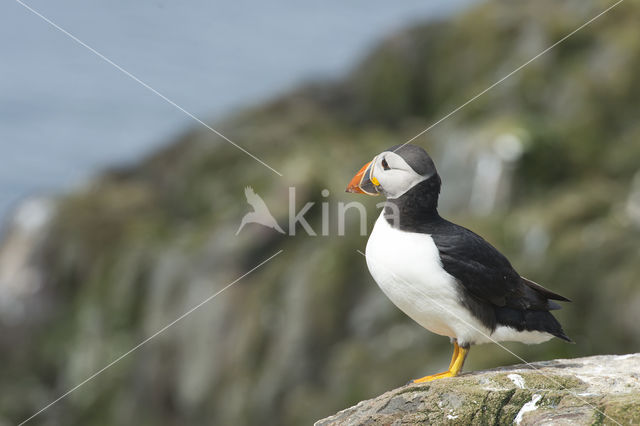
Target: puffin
443, 276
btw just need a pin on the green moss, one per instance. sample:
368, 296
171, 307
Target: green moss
541, 381
622, 408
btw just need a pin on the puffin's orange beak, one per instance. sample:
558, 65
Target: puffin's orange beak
363, 182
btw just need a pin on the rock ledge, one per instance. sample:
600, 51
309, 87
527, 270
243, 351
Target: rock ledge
599, 390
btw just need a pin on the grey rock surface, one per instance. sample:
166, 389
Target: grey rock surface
601, 390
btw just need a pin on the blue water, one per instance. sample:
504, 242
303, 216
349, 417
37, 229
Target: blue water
65, 113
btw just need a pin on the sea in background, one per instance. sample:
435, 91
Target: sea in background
65, 113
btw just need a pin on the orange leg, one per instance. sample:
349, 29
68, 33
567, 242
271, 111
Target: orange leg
457, 361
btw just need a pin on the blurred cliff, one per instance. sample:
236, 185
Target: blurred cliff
545, 166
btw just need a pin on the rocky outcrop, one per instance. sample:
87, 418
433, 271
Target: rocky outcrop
593, 390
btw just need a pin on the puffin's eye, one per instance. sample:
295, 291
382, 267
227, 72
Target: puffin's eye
385, 165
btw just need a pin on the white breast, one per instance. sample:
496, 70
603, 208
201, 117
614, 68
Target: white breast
408, 269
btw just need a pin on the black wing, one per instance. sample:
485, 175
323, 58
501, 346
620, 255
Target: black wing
491, 288
483, 270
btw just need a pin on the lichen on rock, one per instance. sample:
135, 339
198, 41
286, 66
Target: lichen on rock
593, 390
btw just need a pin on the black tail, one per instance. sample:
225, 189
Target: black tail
543, 291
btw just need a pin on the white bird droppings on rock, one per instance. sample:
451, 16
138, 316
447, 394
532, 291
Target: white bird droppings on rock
529, 406
517, 380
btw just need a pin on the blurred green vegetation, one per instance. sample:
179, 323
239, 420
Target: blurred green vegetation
310, 333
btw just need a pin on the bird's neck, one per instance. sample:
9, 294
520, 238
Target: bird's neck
417, 206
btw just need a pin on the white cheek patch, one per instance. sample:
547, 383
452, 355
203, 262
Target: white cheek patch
401, 185
399, 179
396, 162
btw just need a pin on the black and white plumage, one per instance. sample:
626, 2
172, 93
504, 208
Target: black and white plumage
445, 277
